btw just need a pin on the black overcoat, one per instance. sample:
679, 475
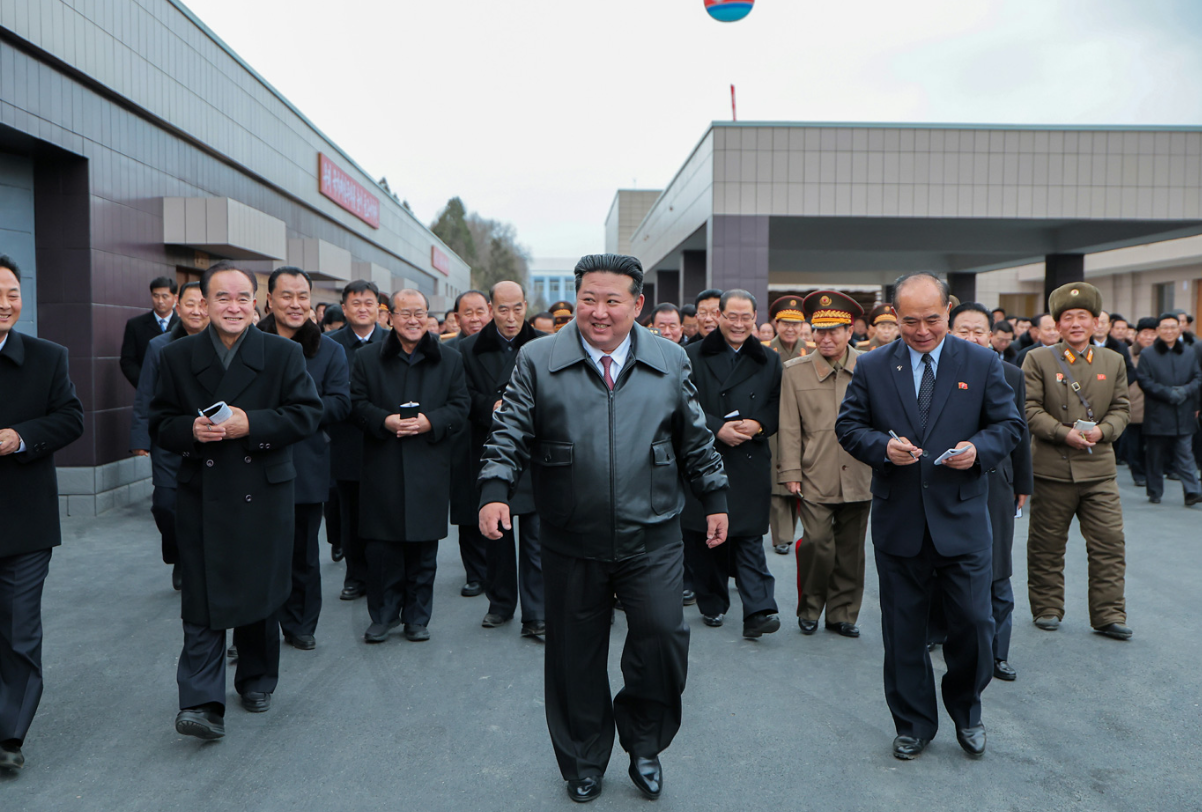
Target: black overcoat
38, 402
346, 441
487, 366
234, 508
465, 507
1167, 375
139, 331
1011, 476
405, 488
752, 388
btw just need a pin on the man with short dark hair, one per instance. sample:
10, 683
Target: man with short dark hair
359, 300
544, 322
1102, 338
514, 562
1022, 332
39, 414
707, 304
606, 416
288, 292
1170, 378
164, 464
997, 314
1044, 327
141, 329
232, 401
666, 319
409, 399
1001, 339
738, 387
688, 323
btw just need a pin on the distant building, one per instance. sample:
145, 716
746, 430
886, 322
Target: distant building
552, 280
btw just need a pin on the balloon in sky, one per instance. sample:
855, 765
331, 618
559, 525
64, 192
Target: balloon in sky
728, 11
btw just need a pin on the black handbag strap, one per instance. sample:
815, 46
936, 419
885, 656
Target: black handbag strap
1072, 384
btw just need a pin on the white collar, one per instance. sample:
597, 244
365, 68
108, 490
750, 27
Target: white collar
619, 354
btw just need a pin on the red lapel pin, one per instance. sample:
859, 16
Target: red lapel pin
963, 385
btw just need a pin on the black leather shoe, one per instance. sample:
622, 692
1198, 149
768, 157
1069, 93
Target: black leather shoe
256, 701
782, 549
336, 553
1003, 670
972, 739
378, 632
535, 629
1155, 500
647, 775
713, 620
689, 597
1192, 499
493, 620
807, 626
908, 747
177, 578
415, 633
11, 757
304, 642
352, 592
759, 624
583, 790
203, 723
846, 629
471, 589
1116, 630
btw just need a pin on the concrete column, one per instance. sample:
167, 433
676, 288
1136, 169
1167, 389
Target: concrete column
1060, 269
692, 275
963, 286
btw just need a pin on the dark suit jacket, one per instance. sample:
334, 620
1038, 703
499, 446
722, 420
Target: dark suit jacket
405, 489
971, 402
1011, 476
138, 332
752, 388
37, 400
346, 441
234, 504
487, 366
164, 465
1122, 349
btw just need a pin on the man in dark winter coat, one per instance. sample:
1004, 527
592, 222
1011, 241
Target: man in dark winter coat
164, 465
39, 414
738, 387
234, 508
488, 360
289, 290
1170, 378
409, 400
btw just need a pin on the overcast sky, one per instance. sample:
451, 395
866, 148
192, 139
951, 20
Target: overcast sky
535, 112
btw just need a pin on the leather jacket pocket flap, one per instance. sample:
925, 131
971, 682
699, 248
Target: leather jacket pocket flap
662, 453
280, 472
549, 453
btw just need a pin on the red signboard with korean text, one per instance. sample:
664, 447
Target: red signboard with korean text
347, 192
440, 261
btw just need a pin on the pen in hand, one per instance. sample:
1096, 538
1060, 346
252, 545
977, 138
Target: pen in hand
893, 434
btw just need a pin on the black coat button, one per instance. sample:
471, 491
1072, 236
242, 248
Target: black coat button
246, 460
208, 463
924, 485
248, 497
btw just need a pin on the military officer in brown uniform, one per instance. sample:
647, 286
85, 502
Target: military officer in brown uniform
562, 312
786, 312
1077, 406
882, 328
833, 485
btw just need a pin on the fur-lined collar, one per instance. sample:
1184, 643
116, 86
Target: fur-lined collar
490, 338
429, 346
308, 335
1178, 346
714, 343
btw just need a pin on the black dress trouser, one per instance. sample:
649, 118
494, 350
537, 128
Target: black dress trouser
201, 672
162, 508
353, 547
907, 585
333, 515
400, 581
21, 580
515, 571
581, 714
299, 613
739, 556
473, 551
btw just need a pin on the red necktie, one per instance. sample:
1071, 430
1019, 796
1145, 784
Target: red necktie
605, 362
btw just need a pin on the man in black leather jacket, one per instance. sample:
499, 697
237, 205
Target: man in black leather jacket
605, 414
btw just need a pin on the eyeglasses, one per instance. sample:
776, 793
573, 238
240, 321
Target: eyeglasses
740, 318
405, 315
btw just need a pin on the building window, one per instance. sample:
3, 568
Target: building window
1163, 296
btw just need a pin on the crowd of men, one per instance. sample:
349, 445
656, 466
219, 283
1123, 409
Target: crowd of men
591, 464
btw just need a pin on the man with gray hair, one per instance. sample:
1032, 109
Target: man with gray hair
606, 416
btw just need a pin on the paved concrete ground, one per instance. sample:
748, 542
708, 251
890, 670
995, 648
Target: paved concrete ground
789, 722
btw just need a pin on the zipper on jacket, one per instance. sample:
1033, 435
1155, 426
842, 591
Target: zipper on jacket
613, 488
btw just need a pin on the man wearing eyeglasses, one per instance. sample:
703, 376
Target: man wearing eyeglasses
708, 306
409, 399
738, 387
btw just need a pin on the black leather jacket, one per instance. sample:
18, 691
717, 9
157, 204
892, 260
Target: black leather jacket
607, 466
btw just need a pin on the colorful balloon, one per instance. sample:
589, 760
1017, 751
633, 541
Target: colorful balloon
728, 11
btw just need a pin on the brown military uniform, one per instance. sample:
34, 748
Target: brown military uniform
1074, 482
834, 488
782, 515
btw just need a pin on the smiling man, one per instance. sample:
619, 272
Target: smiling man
607, 418
234, 508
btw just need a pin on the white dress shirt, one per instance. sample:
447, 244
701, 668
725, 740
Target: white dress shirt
619, 356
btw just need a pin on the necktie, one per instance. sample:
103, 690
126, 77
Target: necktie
926, 390
162, 325
605, 362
